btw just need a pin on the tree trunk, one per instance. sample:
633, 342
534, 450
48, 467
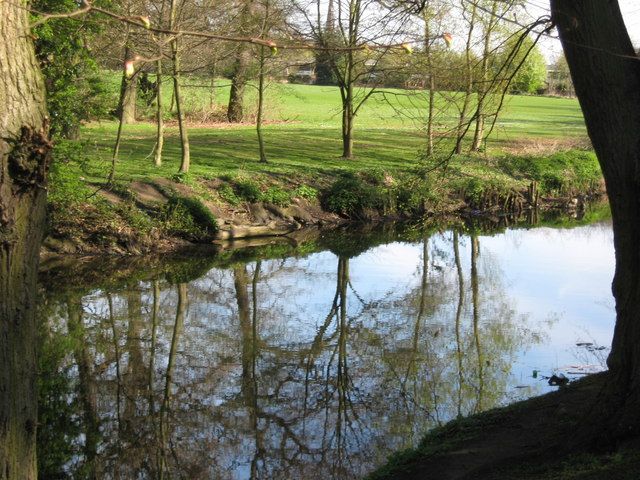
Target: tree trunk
129, 97
235, 110
24, 160
462, 119
347, 120
185, 160
165, 407
483, 89
263, 154
128, 94
606, 75
157, 158
426, 16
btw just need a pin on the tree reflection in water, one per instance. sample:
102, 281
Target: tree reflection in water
298, 367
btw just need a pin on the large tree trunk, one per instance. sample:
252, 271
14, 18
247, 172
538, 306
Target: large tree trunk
24, 159
235, 110
606, 75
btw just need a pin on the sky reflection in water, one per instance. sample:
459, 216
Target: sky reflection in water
316, 366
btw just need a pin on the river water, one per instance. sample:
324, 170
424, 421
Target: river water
316, 360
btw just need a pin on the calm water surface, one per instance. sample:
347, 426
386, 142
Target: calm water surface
317, 363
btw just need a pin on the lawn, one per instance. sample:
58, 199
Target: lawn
302, 133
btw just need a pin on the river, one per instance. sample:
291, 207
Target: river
311, 361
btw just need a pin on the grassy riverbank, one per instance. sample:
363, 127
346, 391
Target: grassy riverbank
539, 142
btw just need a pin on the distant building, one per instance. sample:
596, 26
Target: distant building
302, 73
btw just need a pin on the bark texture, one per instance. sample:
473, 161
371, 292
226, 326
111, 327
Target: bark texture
235, 110
606, 75
24, 160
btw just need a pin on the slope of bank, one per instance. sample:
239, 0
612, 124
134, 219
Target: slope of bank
535, 439
145, 213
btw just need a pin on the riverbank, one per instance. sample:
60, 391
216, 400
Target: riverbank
152, 214
543, 438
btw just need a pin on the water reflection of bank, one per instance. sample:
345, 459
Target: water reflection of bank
315, 363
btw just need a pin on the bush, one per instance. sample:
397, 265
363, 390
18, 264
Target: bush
189, 216
247, 190
351, 196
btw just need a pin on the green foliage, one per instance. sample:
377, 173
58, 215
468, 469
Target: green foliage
351, 196
532, 74
247, 190
375, 190
184, 178
276, 195
228, 195
305, 191
75, 90
561, 173
188, 216
65, 177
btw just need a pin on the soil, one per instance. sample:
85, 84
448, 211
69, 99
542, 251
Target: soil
539, 438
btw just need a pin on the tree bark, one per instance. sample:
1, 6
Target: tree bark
24, 160
484, 87
464, 110
185, 160
606, 74
347, 119
157, 158
261, 87
235, 110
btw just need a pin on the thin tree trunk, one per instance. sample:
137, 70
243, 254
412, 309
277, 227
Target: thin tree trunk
185, 160
24, 160
459, 353
157, 159
462, 119
155, 314
432, 81
212, 90
121, 120
483, 90
347, 121
263, 155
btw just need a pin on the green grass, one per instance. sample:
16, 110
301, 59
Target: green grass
302, 133
303, 145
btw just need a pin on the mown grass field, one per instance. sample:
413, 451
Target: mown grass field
302, 132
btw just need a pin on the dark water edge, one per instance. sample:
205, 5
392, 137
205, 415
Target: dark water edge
310, 358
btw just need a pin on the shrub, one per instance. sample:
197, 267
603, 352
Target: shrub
277, 196
351, 196
189, 216
247, 190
